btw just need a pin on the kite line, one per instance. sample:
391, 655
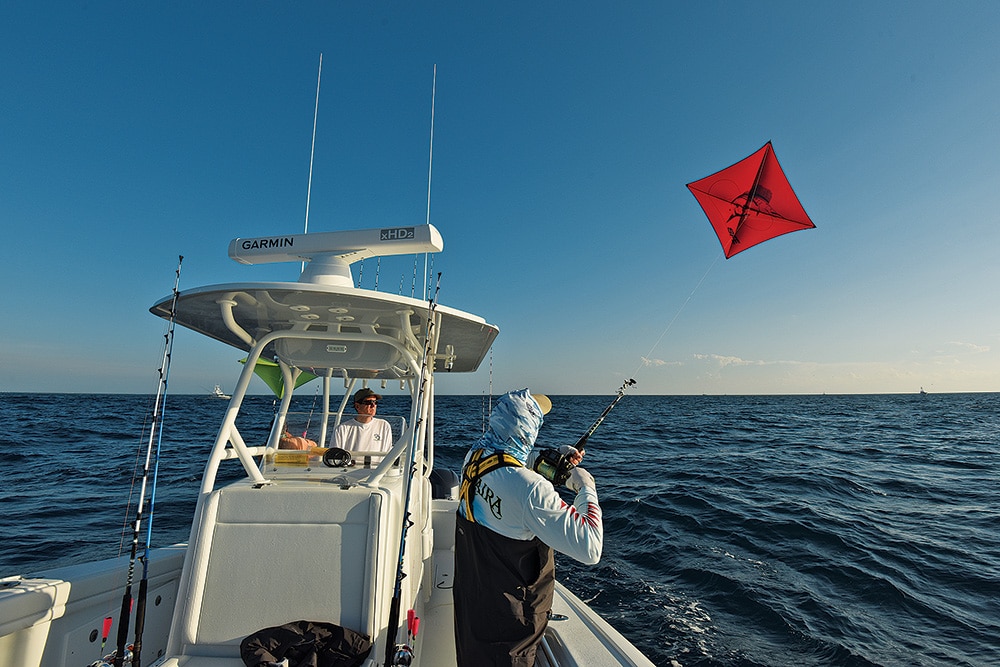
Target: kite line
646, 359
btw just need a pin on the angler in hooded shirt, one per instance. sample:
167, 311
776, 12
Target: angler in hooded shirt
510, 518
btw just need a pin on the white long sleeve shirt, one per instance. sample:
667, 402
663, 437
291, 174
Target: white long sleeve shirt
521, 504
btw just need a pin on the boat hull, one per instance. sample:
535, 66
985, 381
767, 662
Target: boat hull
55, 618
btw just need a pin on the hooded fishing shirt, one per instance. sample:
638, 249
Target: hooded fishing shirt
518, 503
504, 567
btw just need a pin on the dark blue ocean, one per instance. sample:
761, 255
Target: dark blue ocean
740, 530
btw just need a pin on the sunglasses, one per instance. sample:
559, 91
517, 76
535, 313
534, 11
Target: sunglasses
368, 402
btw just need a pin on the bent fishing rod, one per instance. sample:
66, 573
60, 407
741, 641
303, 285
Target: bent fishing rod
582, 442
155, 434
554, 464
395, 653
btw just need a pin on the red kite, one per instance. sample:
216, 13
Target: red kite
750, 202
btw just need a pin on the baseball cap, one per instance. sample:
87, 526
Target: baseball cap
362, 394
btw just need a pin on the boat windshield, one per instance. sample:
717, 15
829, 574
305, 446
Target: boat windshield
303, 447
311, 427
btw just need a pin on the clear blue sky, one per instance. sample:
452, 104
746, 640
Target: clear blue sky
565, 133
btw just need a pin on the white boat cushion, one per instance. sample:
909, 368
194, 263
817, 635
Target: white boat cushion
273, 555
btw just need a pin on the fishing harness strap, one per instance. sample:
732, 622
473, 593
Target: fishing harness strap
476, 468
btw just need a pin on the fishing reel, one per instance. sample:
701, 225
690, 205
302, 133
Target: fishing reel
554, 465
109, 659
403, 655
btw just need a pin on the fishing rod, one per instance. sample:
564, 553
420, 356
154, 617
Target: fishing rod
140, 607
311, 409
155, 434
555, 464
401, 654
582, 442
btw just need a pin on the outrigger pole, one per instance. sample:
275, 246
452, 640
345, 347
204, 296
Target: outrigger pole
582, 442
155, 433
398, 654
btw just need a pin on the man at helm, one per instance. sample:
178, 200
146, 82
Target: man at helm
365, 432
510, 518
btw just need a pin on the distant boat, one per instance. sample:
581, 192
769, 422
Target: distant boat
922, 392
218, 393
